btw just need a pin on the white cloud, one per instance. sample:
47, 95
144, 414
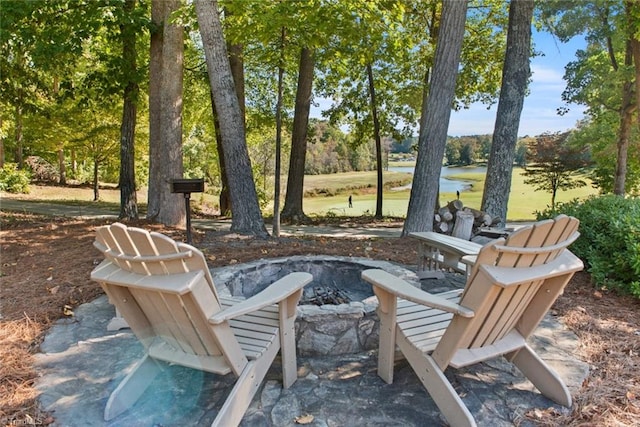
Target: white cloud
545, 75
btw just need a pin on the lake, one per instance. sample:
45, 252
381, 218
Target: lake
447, 185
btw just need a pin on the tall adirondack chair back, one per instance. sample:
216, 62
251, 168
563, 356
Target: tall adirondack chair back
508, 311
165, 292
149, 253
512, 285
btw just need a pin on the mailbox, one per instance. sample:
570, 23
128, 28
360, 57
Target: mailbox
186, 187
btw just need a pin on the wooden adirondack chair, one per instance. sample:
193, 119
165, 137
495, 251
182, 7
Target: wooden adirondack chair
511, 287
164, 291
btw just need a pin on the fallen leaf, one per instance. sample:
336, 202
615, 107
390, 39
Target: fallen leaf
50, 278
54, 290
597, 294
537, 413
67, 310
304, 419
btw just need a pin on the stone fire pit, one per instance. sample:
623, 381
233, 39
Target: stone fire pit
337, 312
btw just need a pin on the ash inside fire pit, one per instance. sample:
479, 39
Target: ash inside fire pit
321, 295
336, 280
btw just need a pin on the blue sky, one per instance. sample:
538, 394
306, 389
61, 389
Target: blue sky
539, 112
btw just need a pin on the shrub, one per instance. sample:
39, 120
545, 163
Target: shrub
609, 240
13, 180
41, 169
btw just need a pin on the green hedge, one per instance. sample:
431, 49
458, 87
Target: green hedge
13, 180
609, 240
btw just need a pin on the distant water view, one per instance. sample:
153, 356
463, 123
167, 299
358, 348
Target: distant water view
446, 185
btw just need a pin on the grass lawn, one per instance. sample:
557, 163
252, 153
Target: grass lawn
522, 203
345, 181
523, 200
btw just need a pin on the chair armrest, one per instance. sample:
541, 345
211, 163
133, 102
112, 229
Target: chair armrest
565, 263
274, 293
469, 260
404, 290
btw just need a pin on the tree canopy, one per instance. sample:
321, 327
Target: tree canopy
554, 163
69, 67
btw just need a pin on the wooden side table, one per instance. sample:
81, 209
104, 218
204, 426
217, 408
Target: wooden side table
438, 251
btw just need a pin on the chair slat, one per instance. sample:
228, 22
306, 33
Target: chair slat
523, 298
511, 286
189, 333
165, 245
155, 309
146, 247
425, 320
166, 293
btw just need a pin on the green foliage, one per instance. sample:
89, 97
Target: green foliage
330, 151
553, 164
599, 134
14, 180
41, 170
521, 152
602, 79
467, 150
407, 145
609, 239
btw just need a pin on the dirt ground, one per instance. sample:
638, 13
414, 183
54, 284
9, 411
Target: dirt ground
46, 261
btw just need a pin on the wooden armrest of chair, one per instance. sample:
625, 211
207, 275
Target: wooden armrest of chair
274, 293
565, 263
469, 260
405, 290
179, 283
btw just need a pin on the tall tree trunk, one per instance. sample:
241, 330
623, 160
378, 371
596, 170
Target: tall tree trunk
225, 197
155, 108
515, 76
635, 50
292, 210
247, 217
170, 208
237, 71
435, 123
278, 166
626, 121
19, 134
96, 184
74, 163
1, 146
127, 183
635, 43
62, 168
376, 134
236, 62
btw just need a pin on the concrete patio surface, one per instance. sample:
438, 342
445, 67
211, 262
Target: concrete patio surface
81, 363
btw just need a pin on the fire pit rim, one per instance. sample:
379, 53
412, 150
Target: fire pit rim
222, 275
328, 329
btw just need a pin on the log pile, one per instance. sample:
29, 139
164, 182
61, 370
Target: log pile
456, 220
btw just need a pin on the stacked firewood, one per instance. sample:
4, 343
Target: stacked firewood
456, 220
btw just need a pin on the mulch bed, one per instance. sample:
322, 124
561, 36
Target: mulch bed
45, 269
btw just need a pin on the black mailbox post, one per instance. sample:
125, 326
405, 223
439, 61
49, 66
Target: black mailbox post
186, 187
